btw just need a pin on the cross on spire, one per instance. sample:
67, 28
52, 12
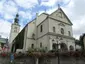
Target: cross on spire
58, 6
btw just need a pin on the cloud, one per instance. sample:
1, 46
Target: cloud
49, 2
10, 8
8, 16
78, 8
5, 27
25, 14
26, 3
78, 27
53, 3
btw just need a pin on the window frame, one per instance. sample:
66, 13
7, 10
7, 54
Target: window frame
62, 31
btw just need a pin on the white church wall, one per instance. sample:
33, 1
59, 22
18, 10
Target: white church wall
28, 39
69, 28
25, 38
40, 18
55, 23
30, 29
71, 42
51, 38
44, 28
45, 42
29, 43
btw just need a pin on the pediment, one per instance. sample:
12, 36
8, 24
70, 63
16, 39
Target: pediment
61, 16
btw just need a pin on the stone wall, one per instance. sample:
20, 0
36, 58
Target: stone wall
20, 60
62, 60
44, 60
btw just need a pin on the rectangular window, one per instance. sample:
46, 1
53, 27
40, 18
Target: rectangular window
41, 28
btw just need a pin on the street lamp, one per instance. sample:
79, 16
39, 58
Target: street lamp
58, 52
58, 47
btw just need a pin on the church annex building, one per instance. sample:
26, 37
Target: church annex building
45, 31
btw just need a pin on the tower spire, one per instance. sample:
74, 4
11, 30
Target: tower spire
16, 18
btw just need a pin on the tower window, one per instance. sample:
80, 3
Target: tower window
53, 29
69, 33
62, 31
32, 45
40, 44
15, 27
41, 28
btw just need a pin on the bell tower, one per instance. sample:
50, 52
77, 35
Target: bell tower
15, 28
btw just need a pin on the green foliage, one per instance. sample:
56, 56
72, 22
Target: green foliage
30, 50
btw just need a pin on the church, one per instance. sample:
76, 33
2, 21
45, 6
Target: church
48, 31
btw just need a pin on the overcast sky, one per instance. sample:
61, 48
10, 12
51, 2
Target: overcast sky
27, 9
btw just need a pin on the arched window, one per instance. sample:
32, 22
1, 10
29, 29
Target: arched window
69, 33
53, 29
71, 47
62, 31
32, 45
41, 45
41, 28
33, 36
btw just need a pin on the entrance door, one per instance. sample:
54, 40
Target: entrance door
63, 47
54, 46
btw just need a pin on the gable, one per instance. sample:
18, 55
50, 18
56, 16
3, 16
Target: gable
41, 18
61, 16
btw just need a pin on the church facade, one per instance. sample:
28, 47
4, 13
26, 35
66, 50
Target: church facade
50, 32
